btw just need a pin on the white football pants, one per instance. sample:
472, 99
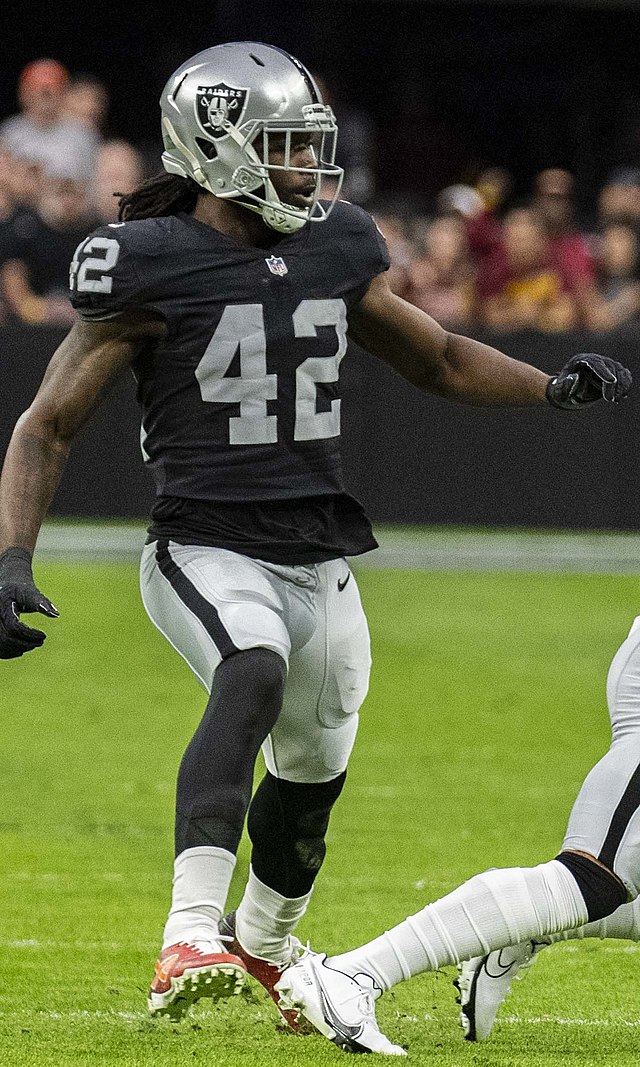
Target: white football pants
605, 820
210, 603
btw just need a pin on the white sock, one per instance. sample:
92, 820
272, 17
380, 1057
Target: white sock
497, 908
264, 920
623, 923
200, 885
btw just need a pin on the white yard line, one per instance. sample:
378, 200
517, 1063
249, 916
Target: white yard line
538, 1020
128, 1016
400, 548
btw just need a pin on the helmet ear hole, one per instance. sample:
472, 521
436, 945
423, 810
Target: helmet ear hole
207, 148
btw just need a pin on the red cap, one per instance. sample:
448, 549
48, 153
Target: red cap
44, 74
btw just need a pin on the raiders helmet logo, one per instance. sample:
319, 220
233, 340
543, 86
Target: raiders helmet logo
218, 105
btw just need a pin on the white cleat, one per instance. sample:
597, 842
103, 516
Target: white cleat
484, 982
338, 1006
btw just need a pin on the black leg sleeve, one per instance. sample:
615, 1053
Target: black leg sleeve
216, 773
287, 824
602, 890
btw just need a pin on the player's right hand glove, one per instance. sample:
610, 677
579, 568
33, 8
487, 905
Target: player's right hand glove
18, 593
586, 378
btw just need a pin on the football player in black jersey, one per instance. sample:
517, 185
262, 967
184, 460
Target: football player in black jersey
231, 289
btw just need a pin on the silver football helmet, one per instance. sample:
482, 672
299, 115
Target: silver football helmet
221, 109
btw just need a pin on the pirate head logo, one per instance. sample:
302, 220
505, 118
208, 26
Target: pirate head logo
218, 106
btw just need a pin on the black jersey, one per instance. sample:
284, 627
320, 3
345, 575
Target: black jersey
240, 401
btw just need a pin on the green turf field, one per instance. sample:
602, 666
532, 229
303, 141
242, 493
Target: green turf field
486, 710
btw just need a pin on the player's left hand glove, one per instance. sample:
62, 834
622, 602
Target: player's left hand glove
586, 378
18, 593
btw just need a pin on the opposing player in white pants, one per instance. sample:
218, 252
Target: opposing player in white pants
595, 875
485, 980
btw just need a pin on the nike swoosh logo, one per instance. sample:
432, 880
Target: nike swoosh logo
162, 967
503, 969
341, 1028
341, 585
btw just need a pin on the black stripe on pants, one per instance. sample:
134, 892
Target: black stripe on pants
627, 807
194, 600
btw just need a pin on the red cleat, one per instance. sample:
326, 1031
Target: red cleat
265, 972
185, 973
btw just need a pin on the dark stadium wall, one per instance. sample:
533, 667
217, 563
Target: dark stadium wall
409, 458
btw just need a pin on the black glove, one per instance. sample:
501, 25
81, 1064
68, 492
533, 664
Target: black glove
18, 593
586, 378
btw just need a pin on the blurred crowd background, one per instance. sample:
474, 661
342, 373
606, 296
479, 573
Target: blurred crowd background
552, 244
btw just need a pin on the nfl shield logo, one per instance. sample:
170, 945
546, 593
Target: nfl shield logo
277, 265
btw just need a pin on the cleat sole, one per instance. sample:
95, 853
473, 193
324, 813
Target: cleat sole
195, 984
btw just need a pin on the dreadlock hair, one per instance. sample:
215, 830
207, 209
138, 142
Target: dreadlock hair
163, 194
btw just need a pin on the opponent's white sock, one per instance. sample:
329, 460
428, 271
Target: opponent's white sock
264, 920
497, 908
200, 885
623, 923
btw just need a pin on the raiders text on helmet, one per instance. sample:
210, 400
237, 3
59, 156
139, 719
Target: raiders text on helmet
220, 111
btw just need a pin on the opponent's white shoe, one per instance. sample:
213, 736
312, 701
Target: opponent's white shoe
484, 982
338, 1006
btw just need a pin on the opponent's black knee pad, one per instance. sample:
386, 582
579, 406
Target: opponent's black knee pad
602, 890
287, 824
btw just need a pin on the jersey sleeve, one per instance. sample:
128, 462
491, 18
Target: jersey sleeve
103, 276
369, 241
363, 245
379, 250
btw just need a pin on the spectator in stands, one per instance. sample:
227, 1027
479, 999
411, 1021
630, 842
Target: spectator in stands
118, 170
478, 210
519, 285
86, 100
25, 178
7, 207
619, 200
569, 250
7, 189
495, 185
40, 132
38, 248
617, 262
20, 189
442, 279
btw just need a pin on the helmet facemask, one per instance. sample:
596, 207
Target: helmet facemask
254, 179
